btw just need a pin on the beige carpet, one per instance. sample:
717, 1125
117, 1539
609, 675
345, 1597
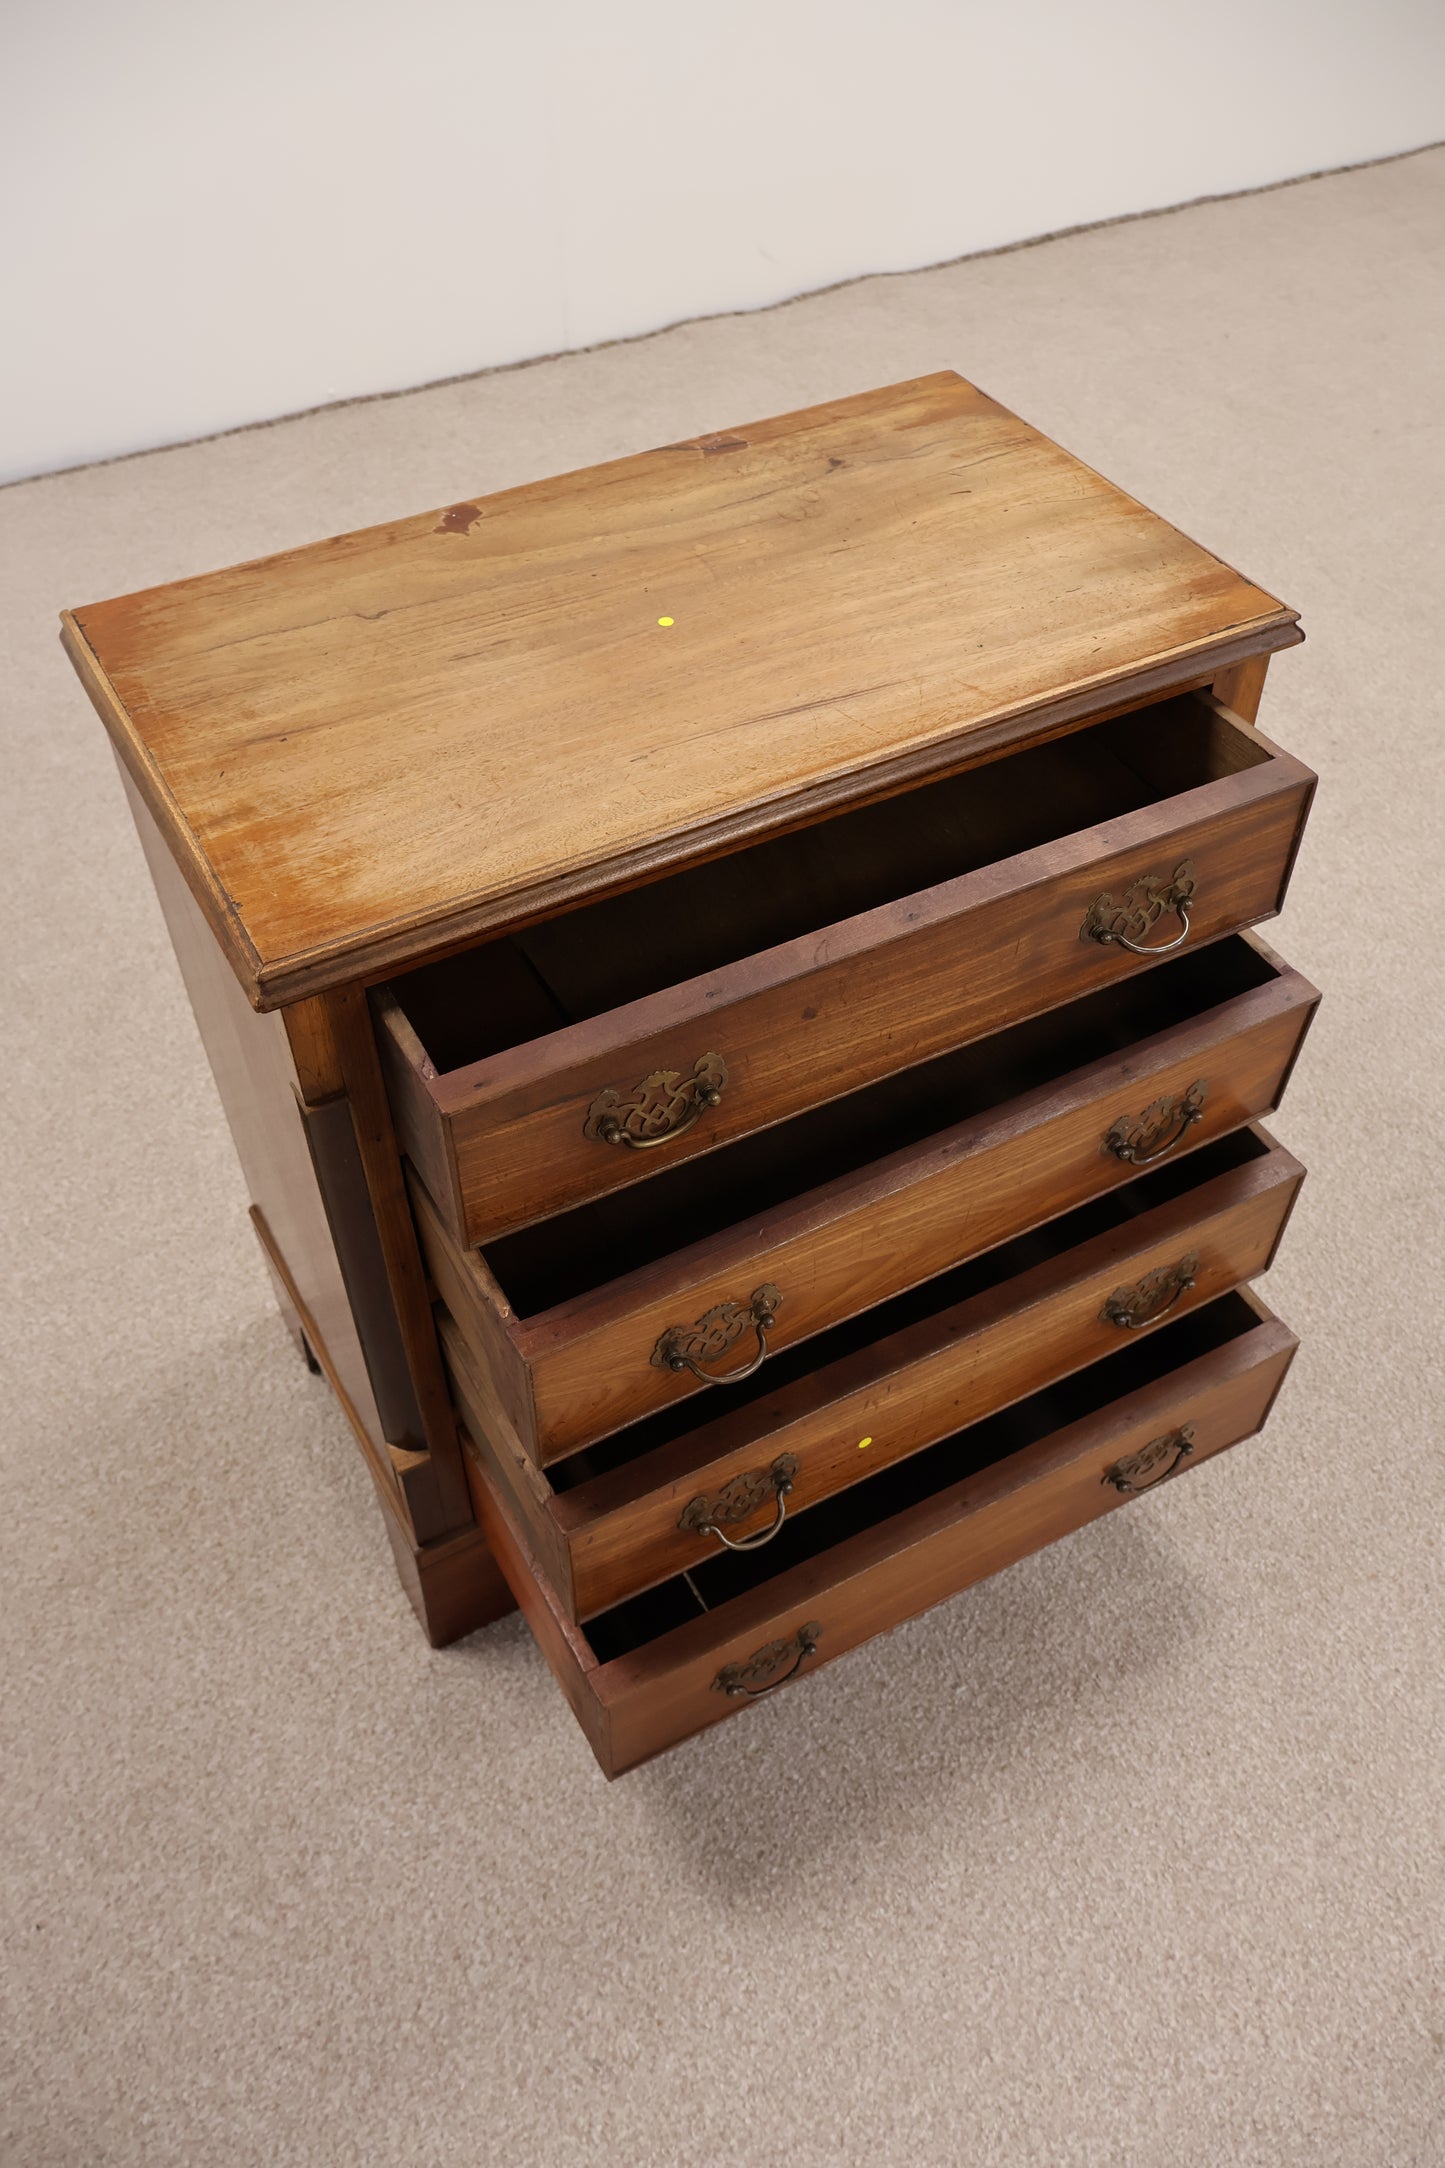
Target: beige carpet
1133, 1855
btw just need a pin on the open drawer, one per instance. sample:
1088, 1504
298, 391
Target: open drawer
670, 1287
572, 1057
673, 1490
664, 1665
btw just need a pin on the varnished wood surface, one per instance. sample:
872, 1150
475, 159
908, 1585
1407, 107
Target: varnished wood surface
1242, 687
859, 1239
256, 1079
447, 1502
490, 1440
367, 749
573, 1665
638, 1704
455, 1585
331, 1134
381, 1466
618, 1533
502, 1141
313, 1050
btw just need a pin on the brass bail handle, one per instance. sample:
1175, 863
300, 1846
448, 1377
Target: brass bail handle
1153, 1297
772, 1665
688, 1347
658, 1110
1153, 1464
705, 1516
1137, 912
1145, 1137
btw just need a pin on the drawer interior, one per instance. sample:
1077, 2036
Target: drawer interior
576, 1251
995, 1268
641, 1619
605, 954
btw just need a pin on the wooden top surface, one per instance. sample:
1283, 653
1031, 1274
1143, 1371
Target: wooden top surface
369, 748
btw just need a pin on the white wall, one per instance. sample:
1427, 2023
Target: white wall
221, 210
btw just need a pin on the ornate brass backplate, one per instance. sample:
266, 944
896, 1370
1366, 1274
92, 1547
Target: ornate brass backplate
1140, 1138
1131, 917
689, 1347
1152, 1295
661, 1107
1153, 1463
769, 1665
741, 1497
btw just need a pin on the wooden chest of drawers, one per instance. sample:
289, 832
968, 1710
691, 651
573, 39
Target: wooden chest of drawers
730, 975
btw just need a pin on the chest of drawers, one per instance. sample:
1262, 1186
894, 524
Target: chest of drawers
731, 976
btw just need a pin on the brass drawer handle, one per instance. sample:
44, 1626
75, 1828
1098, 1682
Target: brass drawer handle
1139, 910
736, 1500
1148, 1136
688, 1347
771, 1665
1152, 1297
663, 1106
1142, 1471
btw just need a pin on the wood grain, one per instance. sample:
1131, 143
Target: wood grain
373, 1451
839, 1248
388, 742
449, 1510
331, 1135
423, 1131
256, 1080
572, 1662
619, 1533
313, 1050
983, 1525
489, 1437
502, 1141
468, 1289
1242, 687
638, 1704
455, 1585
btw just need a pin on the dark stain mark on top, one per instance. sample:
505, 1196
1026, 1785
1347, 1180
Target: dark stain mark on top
709, 445
460, 520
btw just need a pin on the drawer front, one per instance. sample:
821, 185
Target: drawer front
583, 1110
738, 1478
576, 1372
691, 1676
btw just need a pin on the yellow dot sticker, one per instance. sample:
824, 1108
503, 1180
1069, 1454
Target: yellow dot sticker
665, 621
862, 1442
